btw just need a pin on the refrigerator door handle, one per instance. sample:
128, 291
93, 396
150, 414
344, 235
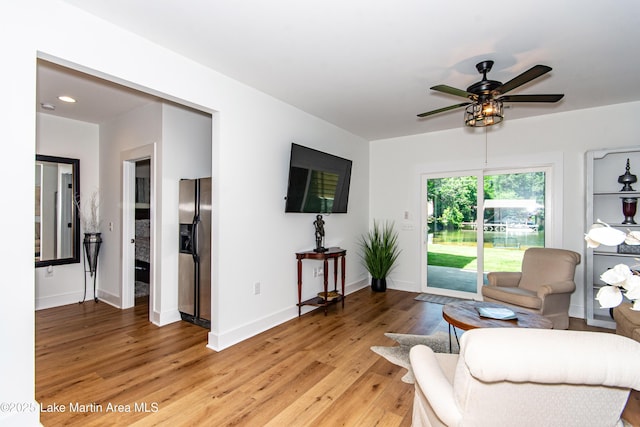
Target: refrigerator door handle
194, 238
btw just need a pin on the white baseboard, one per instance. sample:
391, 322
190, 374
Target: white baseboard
220, 341
74, 298
165, 318
356, 286
401, 285
59, 300
110, 298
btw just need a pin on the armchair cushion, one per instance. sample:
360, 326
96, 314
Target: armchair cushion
514, 296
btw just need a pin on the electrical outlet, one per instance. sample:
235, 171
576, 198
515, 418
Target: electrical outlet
320, 271
256, 288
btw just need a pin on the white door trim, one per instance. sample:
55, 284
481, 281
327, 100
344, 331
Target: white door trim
128, 160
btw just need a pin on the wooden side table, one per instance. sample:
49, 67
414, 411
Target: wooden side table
330, 253
463, 315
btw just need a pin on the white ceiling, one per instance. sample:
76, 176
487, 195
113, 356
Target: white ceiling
97, 100
367, 65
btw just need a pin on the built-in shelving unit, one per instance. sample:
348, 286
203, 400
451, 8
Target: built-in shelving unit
604, 202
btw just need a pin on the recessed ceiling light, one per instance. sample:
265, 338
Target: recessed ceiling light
66, 99
47, 106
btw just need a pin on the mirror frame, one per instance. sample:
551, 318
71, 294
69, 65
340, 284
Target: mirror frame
75, 257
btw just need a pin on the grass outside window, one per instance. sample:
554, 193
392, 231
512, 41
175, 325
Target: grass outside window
464, 257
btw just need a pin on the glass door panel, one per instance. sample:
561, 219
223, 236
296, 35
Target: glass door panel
452, 239
514, 218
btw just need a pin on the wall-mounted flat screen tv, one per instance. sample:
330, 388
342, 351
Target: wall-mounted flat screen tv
318, 182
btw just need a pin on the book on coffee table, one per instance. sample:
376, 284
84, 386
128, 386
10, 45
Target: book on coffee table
498, 313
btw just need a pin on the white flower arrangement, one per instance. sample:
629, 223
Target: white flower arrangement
621, 280
602, 233
89, 214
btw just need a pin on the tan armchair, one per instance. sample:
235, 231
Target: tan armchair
544, 286
526, 377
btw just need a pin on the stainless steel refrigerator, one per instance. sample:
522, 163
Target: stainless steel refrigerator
194, 258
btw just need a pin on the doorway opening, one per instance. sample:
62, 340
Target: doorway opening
122, 258
142, 231
138, 227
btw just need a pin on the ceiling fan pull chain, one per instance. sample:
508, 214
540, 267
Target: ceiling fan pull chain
486, 149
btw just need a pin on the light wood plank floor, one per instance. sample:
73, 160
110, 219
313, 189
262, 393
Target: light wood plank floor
314, 370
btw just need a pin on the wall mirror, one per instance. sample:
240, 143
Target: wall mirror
57, 224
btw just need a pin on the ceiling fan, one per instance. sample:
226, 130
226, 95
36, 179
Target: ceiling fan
486, 97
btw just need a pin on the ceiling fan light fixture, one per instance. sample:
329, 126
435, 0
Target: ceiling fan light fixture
487, 113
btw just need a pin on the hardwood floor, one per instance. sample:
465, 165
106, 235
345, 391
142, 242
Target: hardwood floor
106, 366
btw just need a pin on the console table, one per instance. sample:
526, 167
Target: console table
330, 253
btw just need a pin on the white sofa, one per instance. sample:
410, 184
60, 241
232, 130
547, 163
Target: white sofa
526, 377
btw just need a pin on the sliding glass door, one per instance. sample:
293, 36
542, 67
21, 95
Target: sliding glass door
479, 221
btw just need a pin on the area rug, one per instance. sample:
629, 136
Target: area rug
399, 354
437, 299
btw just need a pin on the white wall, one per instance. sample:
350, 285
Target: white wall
139, 127
186, 148
254, 239
398, 162
257, 240
18, 285
79, 140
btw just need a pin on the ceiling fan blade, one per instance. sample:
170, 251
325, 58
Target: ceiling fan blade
442, 110
453, 91
531, 98
532, 73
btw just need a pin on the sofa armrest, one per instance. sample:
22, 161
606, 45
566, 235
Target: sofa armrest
504, 278
434, 384
564, 287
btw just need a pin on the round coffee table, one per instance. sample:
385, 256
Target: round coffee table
464, 315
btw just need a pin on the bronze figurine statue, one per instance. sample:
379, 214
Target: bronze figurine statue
319, 224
